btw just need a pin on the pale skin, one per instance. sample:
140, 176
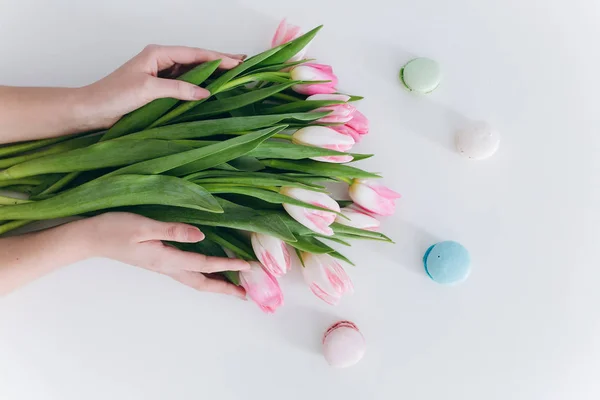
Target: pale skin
125, 237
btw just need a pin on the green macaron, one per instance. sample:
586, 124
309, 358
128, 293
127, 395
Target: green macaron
421, 75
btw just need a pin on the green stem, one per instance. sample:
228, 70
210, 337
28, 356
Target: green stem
261, 76
20, 181
61, 183
345, 180
11, 201
276, 136
9, 226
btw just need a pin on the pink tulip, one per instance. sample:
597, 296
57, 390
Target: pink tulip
325, 277
340, 113
356, 127
314, 72
272, 253
326, 138
315, 220
261, 287
373, 197
358, 219
285, 33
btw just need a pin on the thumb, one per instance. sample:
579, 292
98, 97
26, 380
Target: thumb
171, 231
160, 88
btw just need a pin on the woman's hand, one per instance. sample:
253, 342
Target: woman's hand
124, 237
62, 111
137, 241
137, 82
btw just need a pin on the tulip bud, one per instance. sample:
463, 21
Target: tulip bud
321, 136
373, 197
261, 287
272, 253
358, 219
285, 33
356, 127
315, 220
314, 72
340, 113
325, 277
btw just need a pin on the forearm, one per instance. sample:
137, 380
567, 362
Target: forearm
35, 113
27, 257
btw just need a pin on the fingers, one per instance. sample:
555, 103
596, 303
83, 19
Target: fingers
184, 260
200, 282
159, 88
166, 56
171, 231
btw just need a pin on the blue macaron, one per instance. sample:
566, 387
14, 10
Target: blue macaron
447, 262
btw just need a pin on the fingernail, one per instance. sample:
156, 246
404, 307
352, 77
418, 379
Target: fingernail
200, 93
195, 234
241, 56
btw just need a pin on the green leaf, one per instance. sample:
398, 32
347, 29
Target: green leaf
292, 151
46, 181
247, 163
146, 115
355, 98
263, 194
215, 86
62, 147
245, 180
118, 191
17, 148
300, 178
248, 110
212, 127
311, 245
228, 240
291, 48
300, 106
348, 231
339, 256
100, 155
213, 155
359, 157
344, 203
24, 181
278, 67
200, 158
335, 239
320, 168
217, 107
237, 217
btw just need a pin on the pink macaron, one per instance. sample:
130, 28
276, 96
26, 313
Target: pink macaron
343, 344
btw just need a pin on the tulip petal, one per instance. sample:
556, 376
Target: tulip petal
333, 97
373, 197
326, 277
272, 253
262, 288
359, 123
358, 219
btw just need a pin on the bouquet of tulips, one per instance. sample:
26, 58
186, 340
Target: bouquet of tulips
247, 166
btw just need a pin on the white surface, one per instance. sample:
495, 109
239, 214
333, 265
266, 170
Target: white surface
524, 326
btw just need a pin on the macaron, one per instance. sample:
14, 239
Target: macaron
343, 344
447, 262
422, 75
477, 141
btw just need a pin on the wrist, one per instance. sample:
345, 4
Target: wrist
85, 109
80, 239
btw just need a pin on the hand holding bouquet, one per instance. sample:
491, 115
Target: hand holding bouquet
245, 158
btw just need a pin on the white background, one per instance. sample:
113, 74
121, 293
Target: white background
524, 326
